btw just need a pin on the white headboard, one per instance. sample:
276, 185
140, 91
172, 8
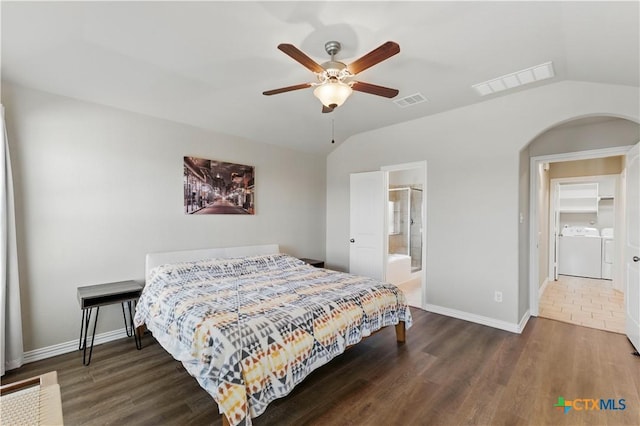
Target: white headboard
157, 259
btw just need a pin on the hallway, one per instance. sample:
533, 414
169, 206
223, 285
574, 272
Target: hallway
584, 301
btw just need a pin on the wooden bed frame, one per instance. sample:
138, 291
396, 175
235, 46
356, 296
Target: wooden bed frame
156, 259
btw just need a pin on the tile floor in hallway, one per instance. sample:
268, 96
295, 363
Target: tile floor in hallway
584, 301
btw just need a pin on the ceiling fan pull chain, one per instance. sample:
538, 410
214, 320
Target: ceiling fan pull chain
333, 130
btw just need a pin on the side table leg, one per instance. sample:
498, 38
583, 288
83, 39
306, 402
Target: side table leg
82, 331
136, 337
124, 315
93, 336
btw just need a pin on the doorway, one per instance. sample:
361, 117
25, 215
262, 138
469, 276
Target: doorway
583, 209
406, 231
549, 283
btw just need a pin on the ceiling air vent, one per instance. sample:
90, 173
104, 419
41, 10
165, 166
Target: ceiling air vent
410, 100
515, 79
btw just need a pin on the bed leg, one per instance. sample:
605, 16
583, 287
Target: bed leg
400, 332
139, 333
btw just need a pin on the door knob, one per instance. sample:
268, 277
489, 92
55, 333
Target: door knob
636, 259
352, 240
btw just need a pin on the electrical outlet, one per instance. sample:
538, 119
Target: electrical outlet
498, 296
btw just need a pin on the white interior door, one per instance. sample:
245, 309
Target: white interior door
368, 207
632, 247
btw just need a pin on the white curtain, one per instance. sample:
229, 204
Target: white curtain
11, 330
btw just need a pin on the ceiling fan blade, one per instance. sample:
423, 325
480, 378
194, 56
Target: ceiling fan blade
374, 89
287, 89
376, 56
326, 109
299, 56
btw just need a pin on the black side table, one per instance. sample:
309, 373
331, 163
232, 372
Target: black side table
94, 296
313, 262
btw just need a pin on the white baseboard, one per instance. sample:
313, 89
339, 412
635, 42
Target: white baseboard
70, 346
478, 319
524, 321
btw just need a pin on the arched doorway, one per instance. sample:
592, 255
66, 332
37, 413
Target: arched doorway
593, 142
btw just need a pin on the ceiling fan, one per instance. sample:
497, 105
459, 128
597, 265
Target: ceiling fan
336, 79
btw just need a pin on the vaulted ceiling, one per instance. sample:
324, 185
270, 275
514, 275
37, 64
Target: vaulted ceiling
207, 63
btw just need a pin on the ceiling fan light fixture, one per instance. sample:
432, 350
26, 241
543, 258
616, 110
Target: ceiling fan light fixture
335, 80
332, 93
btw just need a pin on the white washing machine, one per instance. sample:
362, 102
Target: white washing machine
580, 252
607, 253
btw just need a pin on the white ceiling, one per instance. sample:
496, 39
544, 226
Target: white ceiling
207, 63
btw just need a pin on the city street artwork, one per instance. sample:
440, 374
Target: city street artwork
217, 187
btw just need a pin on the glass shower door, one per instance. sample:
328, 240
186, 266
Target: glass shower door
415, 247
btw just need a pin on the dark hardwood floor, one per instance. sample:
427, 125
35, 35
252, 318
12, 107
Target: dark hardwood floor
450, 372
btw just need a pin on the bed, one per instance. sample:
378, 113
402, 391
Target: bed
250, 323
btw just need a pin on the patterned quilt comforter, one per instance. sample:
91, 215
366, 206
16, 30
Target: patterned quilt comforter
250, 329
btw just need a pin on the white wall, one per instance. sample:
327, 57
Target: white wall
473, 156
97, 188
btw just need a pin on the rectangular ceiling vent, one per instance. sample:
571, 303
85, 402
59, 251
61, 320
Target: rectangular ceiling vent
515, 79
410, 100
